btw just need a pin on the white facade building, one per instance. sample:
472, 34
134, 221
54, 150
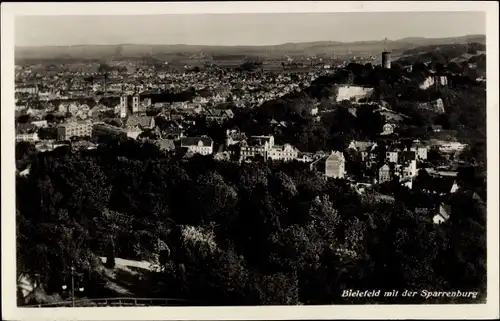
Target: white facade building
198, 145
284, 153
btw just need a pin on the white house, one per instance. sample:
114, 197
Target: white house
443, 214
25, 137
392, 156
388, 129
285, 153
420, 151
201, 145
40, 123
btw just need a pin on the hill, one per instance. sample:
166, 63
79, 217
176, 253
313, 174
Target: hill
127, 51
443, 53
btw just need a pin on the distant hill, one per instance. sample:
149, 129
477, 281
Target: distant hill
329, 48
442, 52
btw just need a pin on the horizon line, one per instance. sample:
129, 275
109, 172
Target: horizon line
250, 45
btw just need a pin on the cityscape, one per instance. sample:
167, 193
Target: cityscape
311, 173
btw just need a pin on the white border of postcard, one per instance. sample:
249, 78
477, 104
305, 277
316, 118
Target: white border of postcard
11, 312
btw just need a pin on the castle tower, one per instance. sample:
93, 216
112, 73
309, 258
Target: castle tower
386, 59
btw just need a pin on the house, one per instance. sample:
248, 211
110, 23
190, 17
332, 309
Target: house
73, 108
40, 123
25, 172
443, 214
133, 132
364, 148
408, 160
335, 165
256, 145
103, 129
392, 156
234, 136
74, 129
407, 156
388, 129
166, 144
304, 157
435, 106
174, 133
63, 108
433, 80
450, 147
201, 145
285, 153
384, 174
409, 169
222, 156
455, 187
220, 115
421, 152
27, 137
142, 122
25, 128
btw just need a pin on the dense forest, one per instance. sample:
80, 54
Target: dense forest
225, 233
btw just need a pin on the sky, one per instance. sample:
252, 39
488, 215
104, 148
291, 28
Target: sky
242, 29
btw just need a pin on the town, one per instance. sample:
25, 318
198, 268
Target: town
82, 104
258, 178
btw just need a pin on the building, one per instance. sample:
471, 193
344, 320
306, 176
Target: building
200, 145
407, 156
409, 169
220, 115
384, 174
442, 215
335, 165
392, 156
166, 144
388, 129
27, 137
421, 152
256, 146
129, 105
386, 59
141, 122
174, 133
40, 123
234, 136
283, 153
75, 129
435, 106
352, 93
408, 162
103, 129
305, 157
364, 148
450, 147
27, 89
433, 80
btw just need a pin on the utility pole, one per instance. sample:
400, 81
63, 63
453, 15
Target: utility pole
73, 286
73, 273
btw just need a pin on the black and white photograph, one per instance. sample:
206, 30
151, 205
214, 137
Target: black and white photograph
247, 159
